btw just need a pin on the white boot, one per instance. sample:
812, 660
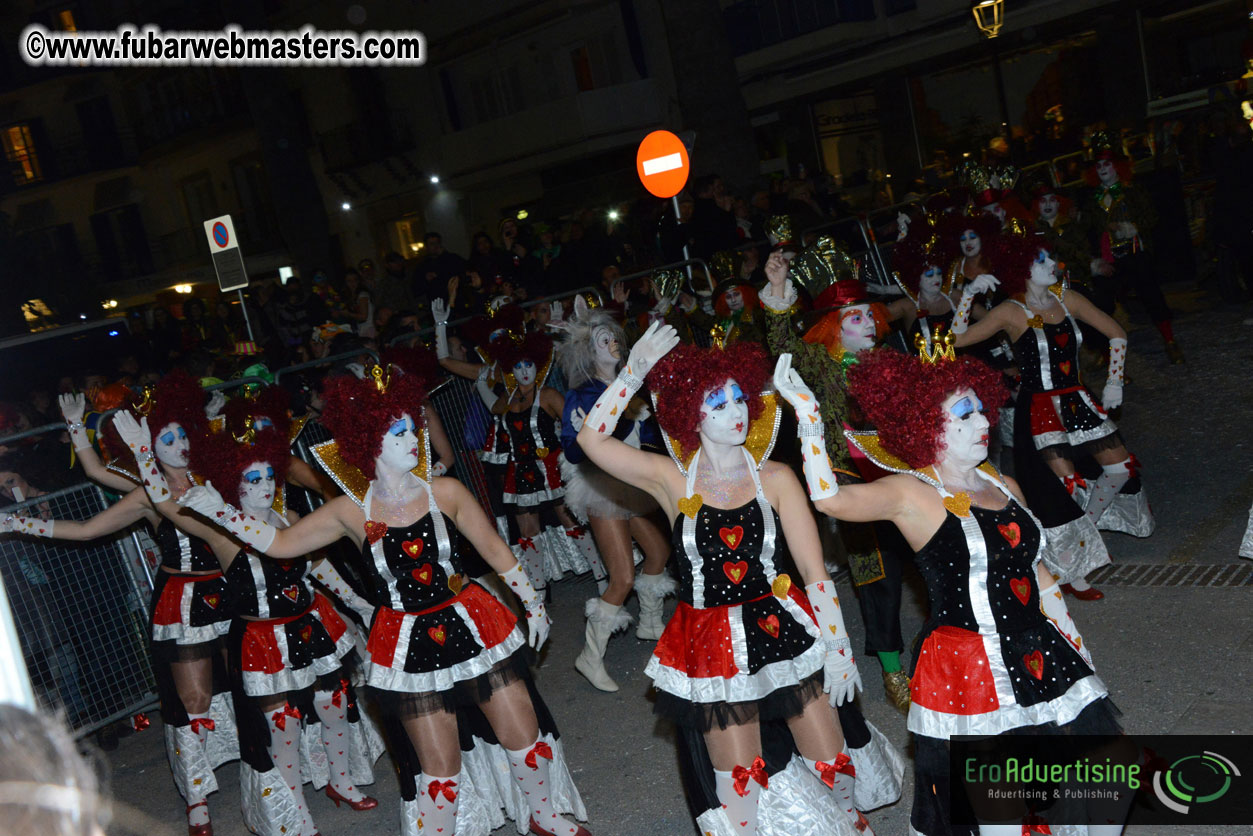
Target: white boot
652, 591
603, 620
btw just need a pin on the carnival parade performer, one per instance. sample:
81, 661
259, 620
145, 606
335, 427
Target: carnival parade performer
525, 442
850, 324
440, 648
1000, 654
743, 663
591, 357
189, 612
1056, 417
289, 648
918, 266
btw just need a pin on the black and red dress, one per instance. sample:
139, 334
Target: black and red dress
743, 645
989, 661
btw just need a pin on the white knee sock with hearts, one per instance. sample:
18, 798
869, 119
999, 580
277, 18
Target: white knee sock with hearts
285, 754
1106, 487
840, 776
741, 810
437, 805
336, 740
531, 768
199, 813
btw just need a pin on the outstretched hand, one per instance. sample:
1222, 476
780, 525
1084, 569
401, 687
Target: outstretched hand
656, 343
439, 311
788, 383
203, 499
135, 433
72, 407
983, 283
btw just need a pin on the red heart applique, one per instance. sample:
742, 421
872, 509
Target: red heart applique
374, 531
517, 425
292, 592
423, 574
732, 536
1021, 587
1061, 339
212, 600
735, 571
413, 548
1012, 534
1035, 664
1064, 366
439, 635
306, 633
770, 624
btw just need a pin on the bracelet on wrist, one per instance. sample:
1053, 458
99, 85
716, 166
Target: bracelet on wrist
632, 382
809, 429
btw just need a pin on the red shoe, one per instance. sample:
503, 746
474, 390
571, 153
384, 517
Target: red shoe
1089, 594
205, 829
366, 802
539, 831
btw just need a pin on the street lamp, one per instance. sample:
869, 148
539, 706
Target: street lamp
989, 16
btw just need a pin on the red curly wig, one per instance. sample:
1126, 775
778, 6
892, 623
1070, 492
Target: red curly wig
414, 359
176, 399
901, 396
910, 260
1010, 258
536, 347
221, 459
357, 414
680, 380
271, 402
952, 226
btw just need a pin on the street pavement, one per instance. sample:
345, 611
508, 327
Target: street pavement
1176, 659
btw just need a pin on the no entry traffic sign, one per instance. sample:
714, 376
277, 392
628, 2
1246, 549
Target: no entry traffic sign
228, 261
662, 164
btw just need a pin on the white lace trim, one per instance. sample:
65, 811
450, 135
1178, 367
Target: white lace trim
774, 303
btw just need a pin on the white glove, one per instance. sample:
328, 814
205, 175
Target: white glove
206, 501
556, 314
979, 284
72, 409
438, 469
214, 408
1054, 608
486, 393
439, 310
576, 419
648, 349
983, 283
537, 620
1111, 398
33, 526
138, 438
841, 677
819, 477
326, 574
902, 225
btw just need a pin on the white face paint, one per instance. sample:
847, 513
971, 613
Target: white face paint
171, 445
734, 300
971, 243
724, 415
1049, 207
965, 441
1043, 269
607, 348
524, 372
256, 488
930, 281
400, 444
1106, 172
857, 328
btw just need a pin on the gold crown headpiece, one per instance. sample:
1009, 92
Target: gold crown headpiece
249, 435
145, 404
382, 378
940, 346
720, 336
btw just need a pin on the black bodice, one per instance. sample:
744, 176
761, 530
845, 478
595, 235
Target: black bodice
265, 588
729, 545
405, 566
1061, 356
523, 439
182, 553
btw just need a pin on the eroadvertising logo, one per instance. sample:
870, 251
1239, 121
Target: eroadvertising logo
1194, 779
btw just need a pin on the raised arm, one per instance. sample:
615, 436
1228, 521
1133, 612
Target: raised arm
441, 446
338, 518
72, 409
646, 471
997, 319
301, 474
128, 510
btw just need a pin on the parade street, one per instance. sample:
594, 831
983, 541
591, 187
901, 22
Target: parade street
1173, 638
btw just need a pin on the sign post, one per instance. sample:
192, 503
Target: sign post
663, 167
228, 261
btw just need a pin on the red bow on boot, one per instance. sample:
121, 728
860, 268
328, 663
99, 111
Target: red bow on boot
539, 750
445, 787
527, 543
280, 716
202, 723
757, 772
1034, 824
827, 771
338, 697
1073, 481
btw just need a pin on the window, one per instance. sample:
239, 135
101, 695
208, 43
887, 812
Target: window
199, 199
19, 150
122, 243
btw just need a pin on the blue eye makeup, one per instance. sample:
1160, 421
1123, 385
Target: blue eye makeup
524, 364
167, 438
401, 426
718, 398
964, 408
262, 423
1042, 257
254, 477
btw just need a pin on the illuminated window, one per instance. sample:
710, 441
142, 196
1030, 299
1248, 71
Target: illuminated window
19, 150
65, 18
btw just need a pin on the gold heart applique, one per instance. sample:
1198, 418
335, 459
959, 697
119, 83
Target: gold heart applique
455, 584
781, 586
1035, 322
690, 505
959, 504
542, 452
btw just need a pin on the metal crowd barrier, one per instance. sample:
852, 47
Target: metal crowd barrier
81, 612
429, 332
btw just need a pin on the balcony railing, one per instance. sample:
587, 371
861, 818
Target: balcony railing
79, 155
756, 24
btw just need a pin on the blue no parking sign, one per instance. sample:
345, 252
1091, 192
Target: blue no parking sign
228, 261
